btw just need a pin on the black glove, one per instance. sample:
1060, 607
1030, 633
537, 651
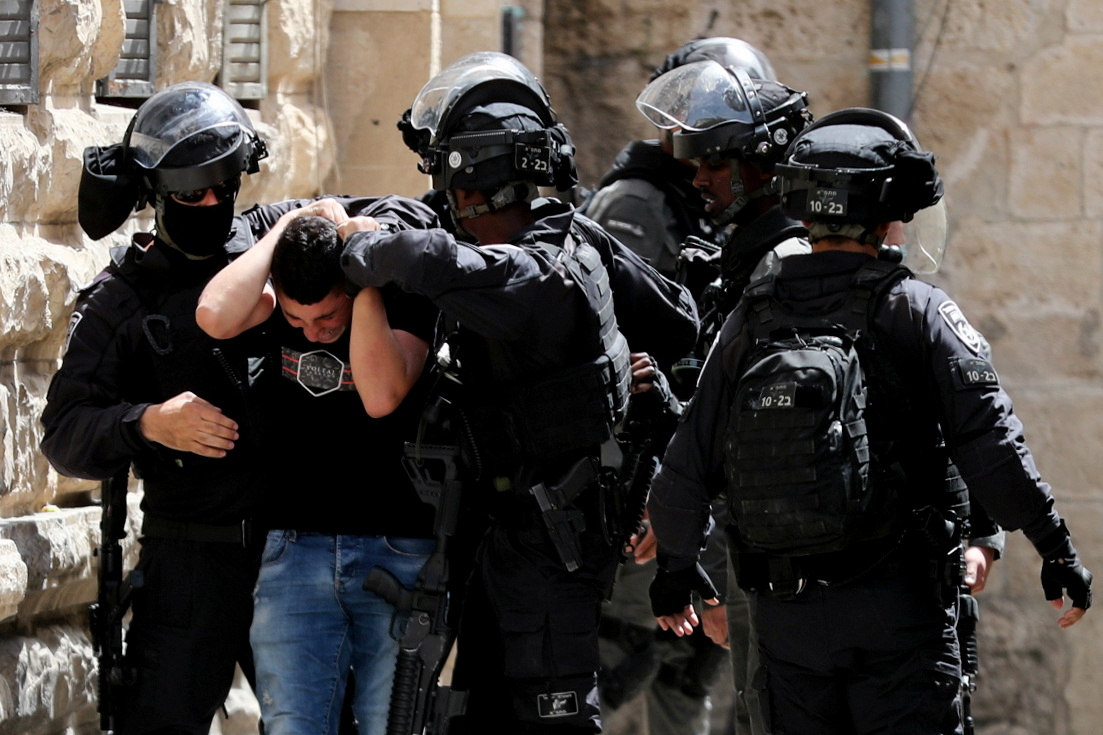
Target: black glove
1069, 574
1062, 570
672, 591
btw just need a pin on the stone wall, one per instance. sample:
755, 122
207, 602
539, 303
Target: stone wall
380, 55
1011, 100
49, 525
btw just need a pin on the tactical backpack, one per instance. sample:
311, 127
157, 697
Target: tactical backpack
801, 475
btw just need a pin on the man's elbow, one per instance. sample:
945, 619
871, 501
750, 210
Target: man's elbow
210, 322
381, 404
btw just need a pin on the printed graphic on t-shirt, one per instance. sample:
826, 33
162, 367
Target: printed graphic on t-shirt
319, 371
971, 338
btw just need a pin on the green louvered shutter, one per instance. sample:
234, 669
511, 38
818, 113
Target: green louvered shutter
18, 53
245, 50
135, 74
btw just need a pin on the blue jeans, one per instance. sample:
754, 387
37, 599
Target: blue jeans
313, 621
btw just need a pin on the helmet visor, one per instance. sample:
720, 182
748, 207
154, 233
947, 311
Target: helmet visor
695, 97
924, 243
436, 98
181, 112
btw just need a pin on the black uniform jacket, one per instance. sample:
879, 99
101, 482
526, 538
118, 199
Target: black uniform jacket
514, 292
391, 211
133, 342
936, 353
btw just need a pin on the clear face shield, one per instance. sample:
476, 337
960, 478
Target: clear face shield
694, 98
437, 97
923, 239
179, 113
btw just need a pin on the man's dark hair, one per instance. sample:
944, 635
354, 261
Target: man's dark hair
306, 262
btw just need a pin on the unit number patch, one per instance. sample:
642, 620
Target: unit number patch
975, 371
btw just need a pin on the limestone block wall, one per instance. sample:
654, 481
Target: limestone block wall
380, 55
1008, 94
48, 523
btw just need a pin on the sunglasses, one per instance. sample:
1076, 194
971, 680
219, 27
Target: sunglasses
223, 191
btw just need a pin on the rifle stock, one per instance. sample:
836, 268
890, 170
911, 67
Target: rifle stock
650, 423
419, 703
113, 600
967, 617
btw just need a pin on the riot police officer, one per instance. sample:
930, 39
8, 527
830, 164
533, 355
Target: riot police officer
544, 369
142, 386
648, 201
856, 632
734, 127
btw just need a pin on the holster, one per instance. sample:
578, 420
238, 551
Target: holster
563, 521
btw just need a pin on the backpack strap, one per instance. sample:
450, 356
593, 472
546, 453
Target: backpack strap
759, 299
870, 284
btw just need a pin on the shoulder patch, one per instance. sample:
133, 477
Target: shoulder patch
74, 320
971, 338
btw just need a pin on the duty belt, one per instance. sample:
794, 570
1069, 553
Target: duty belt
156, 527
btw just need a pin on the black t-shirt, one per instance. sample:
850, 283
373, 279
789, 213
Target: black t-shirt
332, 468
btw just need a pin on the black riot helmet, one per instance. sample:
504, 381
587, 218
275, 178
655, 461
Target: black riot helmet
731, 53
853, 170
191, 136
186, 138
720, 112
485, 123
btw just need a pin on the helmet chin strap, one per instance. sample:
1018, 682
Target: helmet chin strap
515, 191
741, 197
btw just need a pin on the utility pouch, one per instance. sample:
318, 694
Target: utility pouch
779, 577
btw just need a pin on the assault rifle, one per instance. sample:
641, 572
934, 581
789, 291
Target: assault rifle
105, 616
651, 420
968, 613
419, 703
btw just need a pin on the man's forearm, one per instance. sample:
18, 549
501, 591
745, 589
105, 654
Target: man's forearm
237, 298
385, 362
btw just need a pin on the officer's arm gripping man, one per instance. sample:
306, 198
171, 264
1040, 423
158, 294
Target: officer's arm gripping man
240, 296
90, 432
495, 290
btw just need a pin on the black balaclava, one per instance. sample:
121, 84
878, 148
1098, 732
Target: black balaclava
198, 232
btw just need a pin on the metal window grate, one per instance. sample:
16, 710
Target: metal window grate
133, 77
18, 52
245, 50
